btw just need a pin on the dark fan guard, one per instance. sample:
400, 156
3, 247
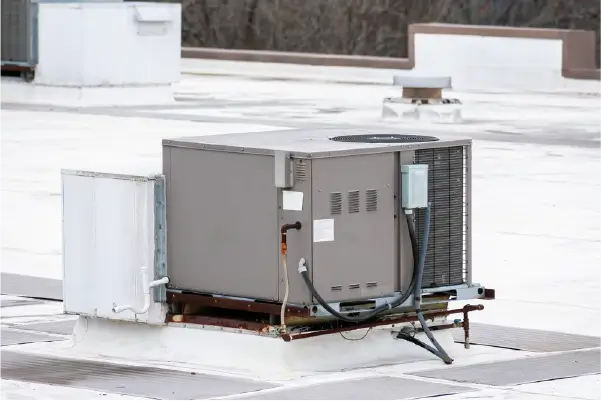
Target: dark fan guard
384, 138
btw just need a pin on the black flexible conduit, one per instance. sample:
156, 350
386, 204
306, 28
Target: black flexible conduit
438, 350
351, 319
415, 286
397, 302
413, 238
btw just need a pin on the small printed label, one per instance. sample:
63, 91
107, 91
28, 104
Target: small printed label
292, 200
323, 230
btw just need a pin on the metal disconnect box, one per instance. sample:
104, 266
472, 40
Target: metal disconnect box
228, 195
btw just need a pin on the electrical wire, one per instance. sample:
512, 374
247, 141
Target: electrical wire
357, 339
284, 252
286, 293
382, 308
360, 319
415, 286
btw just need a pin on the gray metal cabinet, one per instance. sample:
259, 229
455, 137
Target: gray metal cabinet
224, 213
18, 35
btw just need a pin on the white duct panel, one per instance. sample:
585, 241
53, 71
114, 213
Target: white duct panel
109, 44
108, 236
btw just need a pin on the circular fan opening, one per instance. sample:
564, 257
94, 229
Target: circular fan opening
384, 138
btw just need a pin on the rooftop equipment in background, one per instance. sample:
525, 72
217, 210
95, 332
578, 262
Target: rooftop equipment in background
422, 100
19, 37
69, 52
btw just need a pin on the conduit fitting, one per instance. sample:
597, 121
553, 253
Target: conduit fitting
147, 287
284, 231
302, 265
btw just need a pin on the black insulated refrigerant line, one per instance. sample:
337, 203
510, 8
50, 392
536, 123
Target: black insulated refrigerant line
437, 349
415, 286
302, 269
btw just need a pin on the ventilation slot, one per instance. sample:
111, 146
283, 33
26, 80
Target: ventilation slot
353, 202
336, 288
335, 203
354, 286
301, 171
446, 256
371, 200
371, 284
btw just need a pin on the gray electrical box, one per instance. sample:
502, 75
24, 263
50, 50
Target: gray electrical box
228, 196
415, 186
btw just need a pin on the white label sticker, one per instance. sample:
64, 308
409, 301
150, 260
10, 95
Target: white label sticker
323, 230
292, 200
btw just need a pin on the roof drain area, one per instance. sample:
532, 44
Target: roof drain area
422, 100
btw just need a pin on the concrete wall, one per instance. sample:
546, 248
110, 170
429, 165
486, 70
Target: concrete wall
483, 63
481, 58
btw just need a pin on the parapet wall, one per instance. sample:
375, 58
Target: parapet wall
476, 57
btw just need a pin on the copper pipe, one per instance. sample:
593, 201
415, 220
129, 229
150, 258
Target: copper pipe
287, 227
235, 304
284, 231
404, 319
466, 326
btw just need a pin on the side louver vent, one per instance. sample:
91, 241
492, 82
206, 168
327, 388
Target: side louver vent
353, 202
301, 171
446, 256
371, 200
335, 203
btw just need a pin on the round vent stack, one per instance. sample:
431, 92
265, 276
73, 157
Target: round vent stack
422, 99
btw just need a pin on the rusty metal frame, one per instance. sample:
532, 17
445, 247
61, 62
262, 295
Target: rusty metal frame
255, 306
405, 319
17, 67
260, 328
274, 330
235, 304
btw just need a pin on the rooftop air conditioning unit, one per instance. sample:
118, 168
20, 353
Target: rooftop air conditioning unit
19, 24
332, 221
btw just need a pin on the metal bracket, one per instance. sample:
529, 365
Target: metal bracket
463, 292
318, 310
160, 237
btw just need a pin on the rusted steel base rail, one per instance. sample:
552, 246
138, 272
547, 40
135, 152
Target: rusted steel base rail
17, 68
24, 71
271, 308
234, 304
263, 328
405, 319
230, 323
